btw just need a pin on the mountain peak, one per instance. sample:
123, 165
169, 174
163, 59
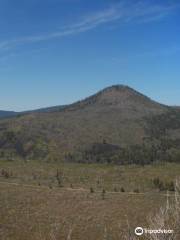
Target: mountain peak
121, 94
120, 98
118, 87
122, 88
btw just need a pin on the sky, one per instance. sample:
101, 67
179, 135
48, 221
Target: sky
55, 52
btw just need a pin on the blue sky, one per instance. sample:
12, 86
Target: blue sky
55, 52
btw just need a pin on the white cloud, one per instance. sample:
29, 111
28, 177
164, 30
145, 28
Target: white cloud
125, 12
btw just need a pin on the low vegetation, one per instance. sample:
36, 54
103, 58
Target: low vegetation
55, 201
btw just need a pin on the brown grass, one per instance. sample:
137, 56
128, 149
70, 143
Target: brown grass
33, 211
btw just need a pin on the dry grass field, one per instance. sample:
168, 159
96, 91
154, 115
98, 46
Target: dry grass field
43, 201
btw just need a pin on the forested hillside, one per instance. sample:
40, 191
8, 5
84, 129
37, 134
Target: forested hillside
118, 124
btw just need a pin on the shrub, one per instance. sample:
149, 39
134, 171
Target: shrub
170, 186
103, 193
136, 190
156, 182
159, 184
163, 186
59, 178
6, 174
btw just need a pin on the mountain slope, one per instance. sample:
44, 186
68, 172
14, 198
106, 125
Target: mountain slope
8, 114
116, 116
5, 114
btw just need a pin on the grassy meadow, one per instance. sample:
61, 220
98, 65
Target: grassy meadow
54, 201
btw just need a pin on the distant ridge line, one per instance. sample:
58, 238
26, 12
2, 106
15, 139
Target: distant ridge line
84, 102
